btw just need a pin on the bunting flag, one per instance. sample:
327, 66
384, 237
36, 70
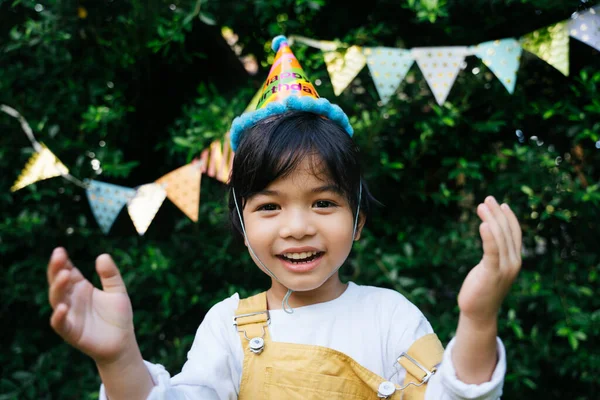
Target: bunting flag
440, 66
586, 27
502, 57
388, 67
107, 201
217, 160
41, 165
551, 44
145, 204
183, 188
343, 68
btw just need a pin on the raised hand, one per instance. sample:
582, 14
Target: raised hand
487, 284
97, 322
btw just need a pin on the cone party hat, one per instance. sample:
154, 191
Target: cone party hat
287, 88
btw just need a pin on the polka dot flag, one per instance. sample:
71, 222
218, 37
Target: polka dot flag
440, 66
107, 201
183, 188
388, 67
586, 27
502, 57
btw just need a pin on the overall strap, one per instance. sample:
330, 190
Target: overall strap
420, 362
252, 319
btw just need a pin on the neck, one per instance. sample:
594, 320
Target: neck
330, 290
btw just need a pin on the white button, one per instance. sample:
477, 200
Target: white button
256, 345
386, 389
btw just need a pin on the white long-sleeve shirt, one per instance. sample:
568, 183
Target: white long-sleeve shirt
372, 325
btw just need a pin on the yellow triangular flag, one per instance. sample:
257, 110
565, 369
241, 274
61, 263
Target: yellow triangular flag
144, 206
42, 165
183, 188
343, 68
551, 44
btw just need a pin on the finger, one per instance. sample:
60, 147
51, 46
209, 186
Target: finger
515, 227
504, 227
109, 275
59, 321
59, 260
60, 288
491, 253
497, 236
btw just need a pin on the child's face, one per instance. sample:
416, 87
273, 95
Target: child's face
293, 218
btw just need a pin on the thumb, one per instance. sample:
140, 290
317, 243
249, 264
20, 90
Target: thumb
110, 277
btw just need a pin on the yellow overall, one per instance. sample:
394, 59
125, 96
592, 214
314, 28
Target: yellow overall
288, 371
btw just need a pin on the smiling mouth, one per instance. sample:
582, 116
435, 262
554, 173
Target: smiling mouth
302, 258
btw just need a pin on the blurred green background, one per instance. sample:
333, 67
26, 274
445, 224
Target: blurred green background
143, 87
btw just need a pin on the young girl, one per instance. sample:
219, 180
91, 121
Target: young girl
298, 200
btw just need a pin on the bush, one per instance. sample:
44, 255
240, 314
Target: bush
143, 87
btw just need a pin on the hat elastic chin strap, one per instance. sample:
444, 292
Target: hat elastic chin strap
285, 302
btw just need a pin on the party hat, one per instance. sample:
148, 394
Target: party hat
287, 88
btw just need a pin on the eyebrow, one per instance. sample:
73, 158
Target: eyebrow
320, 189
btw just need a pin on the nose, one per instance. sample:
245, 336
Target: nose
297, 224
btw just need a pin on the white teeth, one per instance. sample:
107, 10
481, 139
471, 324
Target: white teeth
298, 256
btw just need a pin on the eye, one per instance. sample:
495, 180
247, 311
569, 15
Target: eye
267, 207
324, 204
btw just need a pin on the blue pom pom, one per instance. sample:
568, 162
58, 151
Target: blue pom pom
277, 41
319, 106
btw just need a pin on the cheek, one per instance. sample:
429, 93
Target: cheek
260, 230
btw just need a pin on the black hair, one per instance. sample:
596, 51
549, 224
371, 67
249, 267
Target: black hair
276, 145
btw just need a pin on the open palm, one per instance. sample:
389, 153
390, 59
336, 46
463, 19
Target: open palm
97, 322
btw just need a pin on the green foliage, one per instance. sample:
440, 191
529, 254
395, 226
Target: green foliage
143, 87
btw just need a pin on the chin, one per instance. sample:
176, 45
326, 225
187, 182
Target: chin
303, 283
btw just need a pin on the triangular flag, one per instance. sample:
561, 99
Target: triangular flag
551, 44
388, 67
144, 206
343, 68
107, 201
440, 66
41, 165
586, 27
183, 188
218, 160
502, 57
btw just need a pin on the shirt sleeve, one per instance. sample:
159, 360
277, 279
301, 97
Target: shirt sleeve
212, 370
445, 385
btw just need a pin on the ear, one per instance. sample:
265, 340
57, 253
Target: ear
362, 218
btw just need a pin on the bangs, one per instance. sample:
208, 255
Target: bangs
276, 147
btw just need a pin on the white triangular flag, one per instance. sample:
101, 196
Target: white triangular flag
586, 27
440, 66
144, 206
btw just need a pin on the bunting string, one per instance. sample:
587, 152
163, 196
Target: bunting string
388, 67
440, 66
181, 186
